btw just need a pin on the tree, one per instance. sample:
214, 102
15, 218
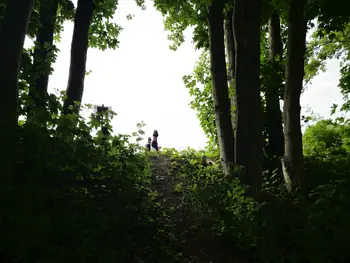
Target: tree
43, 47
293, 157
92, 28
51, 14
275, 149
219, 84
231, 57
208, 33
181, 14
79, 49
12, 34
246, 19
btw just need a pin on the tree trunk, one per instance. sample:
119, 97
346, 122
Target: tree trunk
79, 48
231, 57
293, 157
219, 84
241, 111
249, 140
44, 48
275, 148
12, 35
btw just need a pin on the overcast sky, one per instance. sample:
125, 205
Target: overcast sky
142, 79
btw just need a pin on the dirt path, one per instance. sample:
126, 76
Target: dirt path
164, 182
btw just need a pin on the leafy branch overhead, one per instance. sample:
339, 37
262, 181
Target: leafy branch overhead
104, 33
334, 45
180, 15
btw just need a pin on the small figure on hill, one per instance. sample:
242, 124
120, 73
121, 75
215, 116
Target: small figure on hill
155, 141
148, 145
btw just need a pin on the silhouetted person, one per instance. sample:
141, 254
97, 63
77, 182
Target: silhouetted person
148, 145
154, 141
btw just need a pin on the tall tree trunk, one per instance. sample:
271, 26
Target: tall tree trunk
12, 34
44, 48
249, 138
219, 84
273, 110
293, 156
231, 57
79, 48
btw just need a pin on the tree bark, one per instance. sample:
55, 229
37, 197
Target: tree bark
12, 34
219, 84
44, 48
249, 140
231, 57
293, 156
79, 48
275, 148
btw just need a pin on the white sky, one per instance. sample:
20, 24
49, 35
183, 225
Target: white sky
142, 79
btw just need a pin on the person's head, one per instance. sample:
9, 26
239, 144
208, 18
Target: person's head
149, 139
155, 133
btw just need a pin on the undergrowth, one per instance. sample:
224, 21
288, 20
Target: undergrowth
82, 195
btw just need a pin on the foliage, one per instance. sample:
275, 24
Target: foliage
327, 138
80, 197
103, 33
336, 45
226, 224
332, 16
65, 12
79, 193
199, 85
326, 148
180, 15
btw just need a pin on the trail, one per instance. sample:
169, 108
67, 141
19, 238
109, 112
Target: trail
165, 181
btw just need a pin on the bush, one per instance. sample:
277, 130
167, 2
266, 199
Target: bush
78, 197
327, 152
327, 138
225, 225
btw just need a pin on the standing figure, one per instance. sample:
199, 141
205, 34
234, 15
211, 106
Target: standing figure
154, 141
148, 145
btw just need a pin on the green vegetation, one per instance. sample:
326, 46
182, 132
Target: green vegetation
73, 191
